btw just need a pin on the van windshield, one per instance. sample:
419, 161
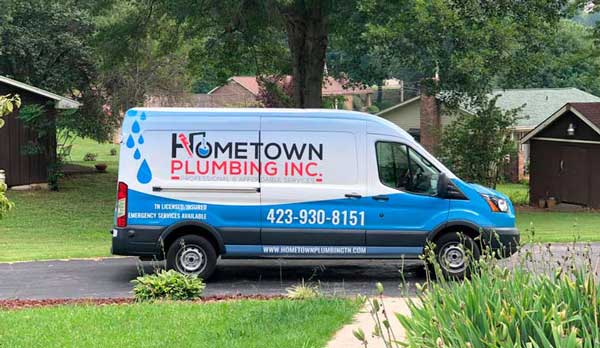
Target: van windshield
403, 168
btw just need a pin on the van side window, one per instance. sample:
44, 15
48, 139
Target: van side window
402, 168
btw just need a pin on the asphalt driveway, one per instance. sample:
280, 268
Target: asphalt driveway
111, 277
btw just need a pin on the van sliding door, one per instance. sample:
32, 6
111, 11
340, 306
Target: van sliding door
312, 181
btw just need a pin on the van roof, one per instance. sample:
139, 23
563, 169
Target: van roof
272, 112
381, 125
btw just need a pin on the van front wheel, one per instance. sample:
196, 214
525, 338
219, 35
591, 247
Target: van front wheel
192, 255
455, 253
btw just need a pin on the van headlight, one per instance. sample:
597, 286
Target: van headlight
497, 204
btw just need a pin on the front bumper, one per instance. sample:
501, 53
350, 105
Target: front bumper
503, 240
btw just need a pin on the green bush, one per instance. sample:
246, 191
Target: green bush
518, 193
167, 285
501, 308
373, 109
5, 204
90, 157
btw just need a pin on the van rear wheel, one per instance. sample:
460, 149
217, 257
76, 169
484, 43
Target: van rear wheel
192, 255
455, 253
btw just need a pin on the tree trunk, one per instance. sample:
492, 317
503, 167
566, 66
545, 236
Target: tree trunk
306, 26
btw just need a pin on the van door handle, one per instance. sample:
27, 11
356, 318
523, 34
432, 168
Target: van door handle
352, 195
381, 198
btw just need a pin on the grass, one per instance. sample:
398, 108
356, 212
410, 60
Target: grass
518, 193
551, 226
275, 323
71, 223
558, 226
75, 221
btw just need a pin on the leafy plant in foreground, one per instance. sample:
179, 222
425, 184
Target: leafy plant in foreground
167, 285
529, 306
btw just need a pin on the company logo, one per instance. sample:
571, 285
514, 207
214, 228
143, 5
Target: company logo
195, 154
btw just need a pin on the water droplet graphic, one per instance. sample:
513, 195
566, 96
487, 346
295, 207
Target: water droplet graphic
144, 174
141, 140
131, 113
143, 116
204, 151
137, 154
136, 127
130, 142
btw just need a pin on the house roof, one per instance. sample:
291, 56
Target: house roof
587, 112
62, 102
331, 86
540, 102
397, 106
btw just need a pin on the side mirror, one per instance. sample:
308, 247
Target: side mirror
442, 185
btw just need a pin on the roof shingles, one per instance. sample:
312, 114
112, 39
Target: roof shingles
540, 102
591, 111
331, 86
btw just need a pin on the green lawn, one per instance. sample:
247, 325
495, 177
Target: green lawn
75, 221
546, 226
243, 324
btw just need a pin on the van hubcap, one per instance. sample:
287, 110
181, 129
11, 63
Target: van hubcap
192, 259
453, 258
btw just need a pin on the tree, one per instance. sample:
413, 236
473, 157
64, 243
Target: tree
468, 43
252, 35
569, 59
140, 52
48, 45
7, 105
477, 144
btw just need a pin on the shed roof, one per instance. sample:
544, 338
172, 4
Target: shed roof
331, 86
61, 102
591, 111
587, 112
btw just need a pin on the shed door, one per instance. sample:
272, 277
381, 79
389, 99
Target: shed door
574, 170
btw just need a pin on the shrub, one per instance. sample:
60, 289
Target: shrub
303, 291
518, 193
373, 109
167, 285
476, 145
113, 151
90, 157
5, 204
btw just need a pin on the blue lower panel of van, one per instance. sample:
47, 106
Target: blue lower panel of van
319, 251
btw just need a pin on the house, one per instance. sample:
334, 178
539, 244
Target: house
565, 156
243, 90
537, 103
21, 167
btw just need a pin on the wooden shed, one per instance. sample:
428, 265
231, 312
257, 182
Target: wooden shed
565, 156
23, 168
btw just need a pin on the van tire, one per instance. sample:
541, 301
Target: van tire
455, 253
192, 255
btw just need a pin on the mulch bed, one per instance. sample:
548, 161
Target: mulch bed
21, 304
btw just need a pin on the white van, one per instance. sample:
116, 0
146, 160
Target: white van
199, 184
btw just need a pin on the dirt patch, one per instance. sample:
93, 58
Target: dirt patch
22, 304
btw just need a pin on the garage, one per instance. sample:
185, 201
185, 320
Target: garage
565, 156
